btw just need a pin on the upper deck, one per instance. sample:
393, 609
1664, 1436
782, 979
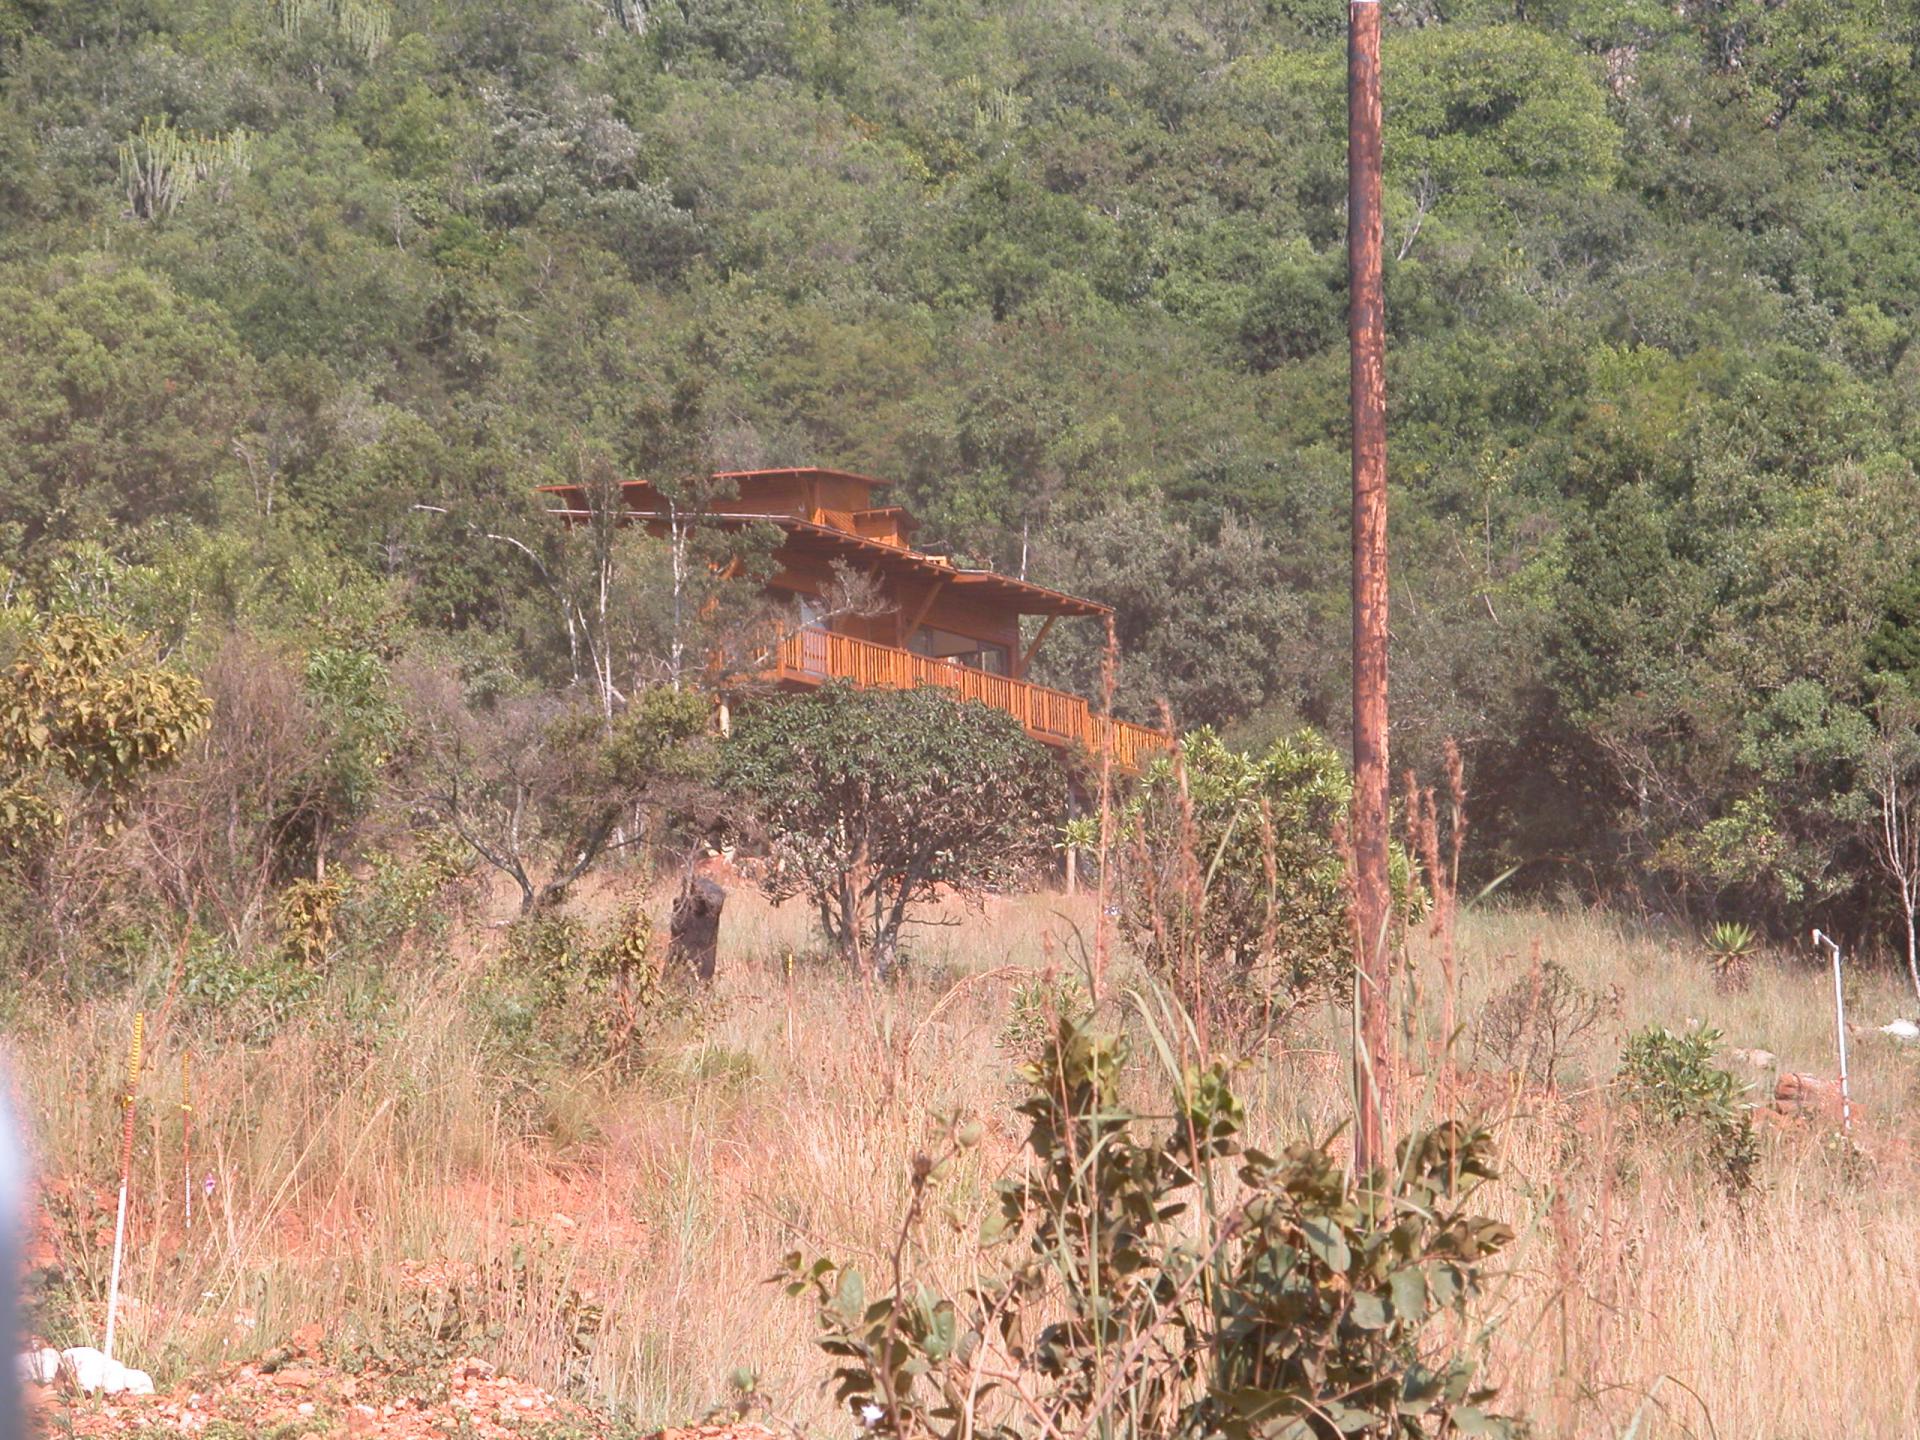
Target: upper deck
938, 623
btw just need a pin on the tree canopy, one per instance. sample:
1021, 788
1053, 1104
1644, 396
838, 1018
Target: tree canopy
302, 300
877, 803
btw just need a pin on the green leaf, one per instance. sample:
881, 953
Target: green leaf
1350, 1419
851, 1297
1327, 1244
1421, 1388
1409, 1289
1472, 1420
1370, 1311
943, 1333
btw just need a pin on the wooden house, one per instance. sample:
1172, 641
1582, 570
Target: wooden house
937, 623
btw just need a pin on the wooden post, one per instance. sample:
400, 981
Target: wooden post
912, 627
1026, 657
186, 1136
126, 1179
1367, 396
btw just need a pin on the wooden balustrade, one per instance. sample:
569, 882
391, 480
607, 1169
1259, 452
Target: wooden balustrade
812, 656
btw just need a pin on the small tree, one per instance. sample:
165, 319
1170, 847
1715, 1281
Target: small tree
1893, 779
876, 800
1236, 890
641, 609
543, 788
86, 717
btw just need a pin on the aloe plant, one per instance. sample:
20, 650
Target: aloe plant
1730, 946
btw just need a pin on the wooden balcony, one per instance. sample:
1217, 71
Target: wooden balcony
810, 657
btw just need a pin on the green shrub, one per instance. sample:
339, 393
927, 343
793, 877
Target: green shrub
877, 802
1675, 1089
1135, 1299
1236, 891
1035, 1010
403, 895
570, 994
249, 992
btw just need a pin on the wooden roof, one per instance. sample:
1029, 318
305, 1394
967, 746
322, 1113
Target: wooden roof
802, 471
810, 536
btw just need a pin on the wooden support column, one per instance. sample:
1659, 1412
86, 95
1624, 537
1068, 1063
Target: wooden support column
913, 626
1026, 657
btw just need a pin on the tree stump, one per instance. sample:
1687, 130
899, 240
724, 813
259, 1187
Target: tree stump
695, 928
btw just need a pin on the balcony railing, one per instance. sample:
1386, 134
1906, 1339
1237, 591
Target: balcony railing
812, 656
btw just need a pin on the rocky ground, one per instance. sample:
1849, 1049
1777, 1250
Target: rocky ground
296, 1393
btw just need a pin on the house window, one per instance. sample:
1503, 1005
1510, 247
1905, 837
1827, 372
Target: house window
959, 650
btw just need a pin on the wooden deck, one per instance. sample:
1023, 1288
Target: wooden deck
810, 657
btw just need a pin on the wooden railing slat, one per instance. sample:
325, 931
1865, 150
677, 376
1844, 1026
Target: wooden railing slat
819, 655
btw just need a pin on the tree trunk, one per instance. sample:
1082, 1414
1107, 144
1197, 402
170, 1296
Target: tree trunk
1913, 956
695, 927
886, 953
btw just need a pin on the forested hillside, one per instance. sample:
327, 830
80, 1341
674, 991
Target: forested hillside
276, 273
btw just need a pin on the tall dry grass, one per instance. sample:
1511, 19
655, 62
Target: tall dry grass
379, 1156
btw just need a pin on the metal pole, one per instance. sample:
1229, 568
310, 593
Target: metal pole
1373, 905
1839, 1031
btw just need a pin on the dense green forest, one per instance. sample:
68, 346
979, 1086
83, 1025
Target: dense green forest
276, 274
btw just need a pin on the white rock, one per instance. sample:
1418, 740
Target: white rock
40, 1366
88, 1367
94, 1371
134, 1382
1902, 1030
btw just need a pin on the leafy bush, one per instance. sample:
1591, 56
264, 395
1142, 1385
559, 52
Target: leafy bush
1236, 890
1675, 1088
248, 991
1138, 1299
877, 801
88, 716
576, 995
1531, 1026
1035, 1010
401, 896
308, 911
83, 714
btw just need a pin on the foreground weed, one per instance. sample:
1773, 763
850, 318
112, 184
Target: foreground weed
1136, 1301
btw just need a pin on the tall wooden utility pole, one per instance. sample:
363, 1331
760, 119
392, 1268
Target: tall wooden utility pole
1373, 902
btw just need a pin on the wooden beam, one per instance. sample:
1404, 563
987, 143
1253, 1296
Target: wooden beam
907, 634
1026, 658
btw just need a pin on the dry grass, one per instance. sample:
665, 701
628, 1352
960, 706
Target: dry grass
351, 1152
